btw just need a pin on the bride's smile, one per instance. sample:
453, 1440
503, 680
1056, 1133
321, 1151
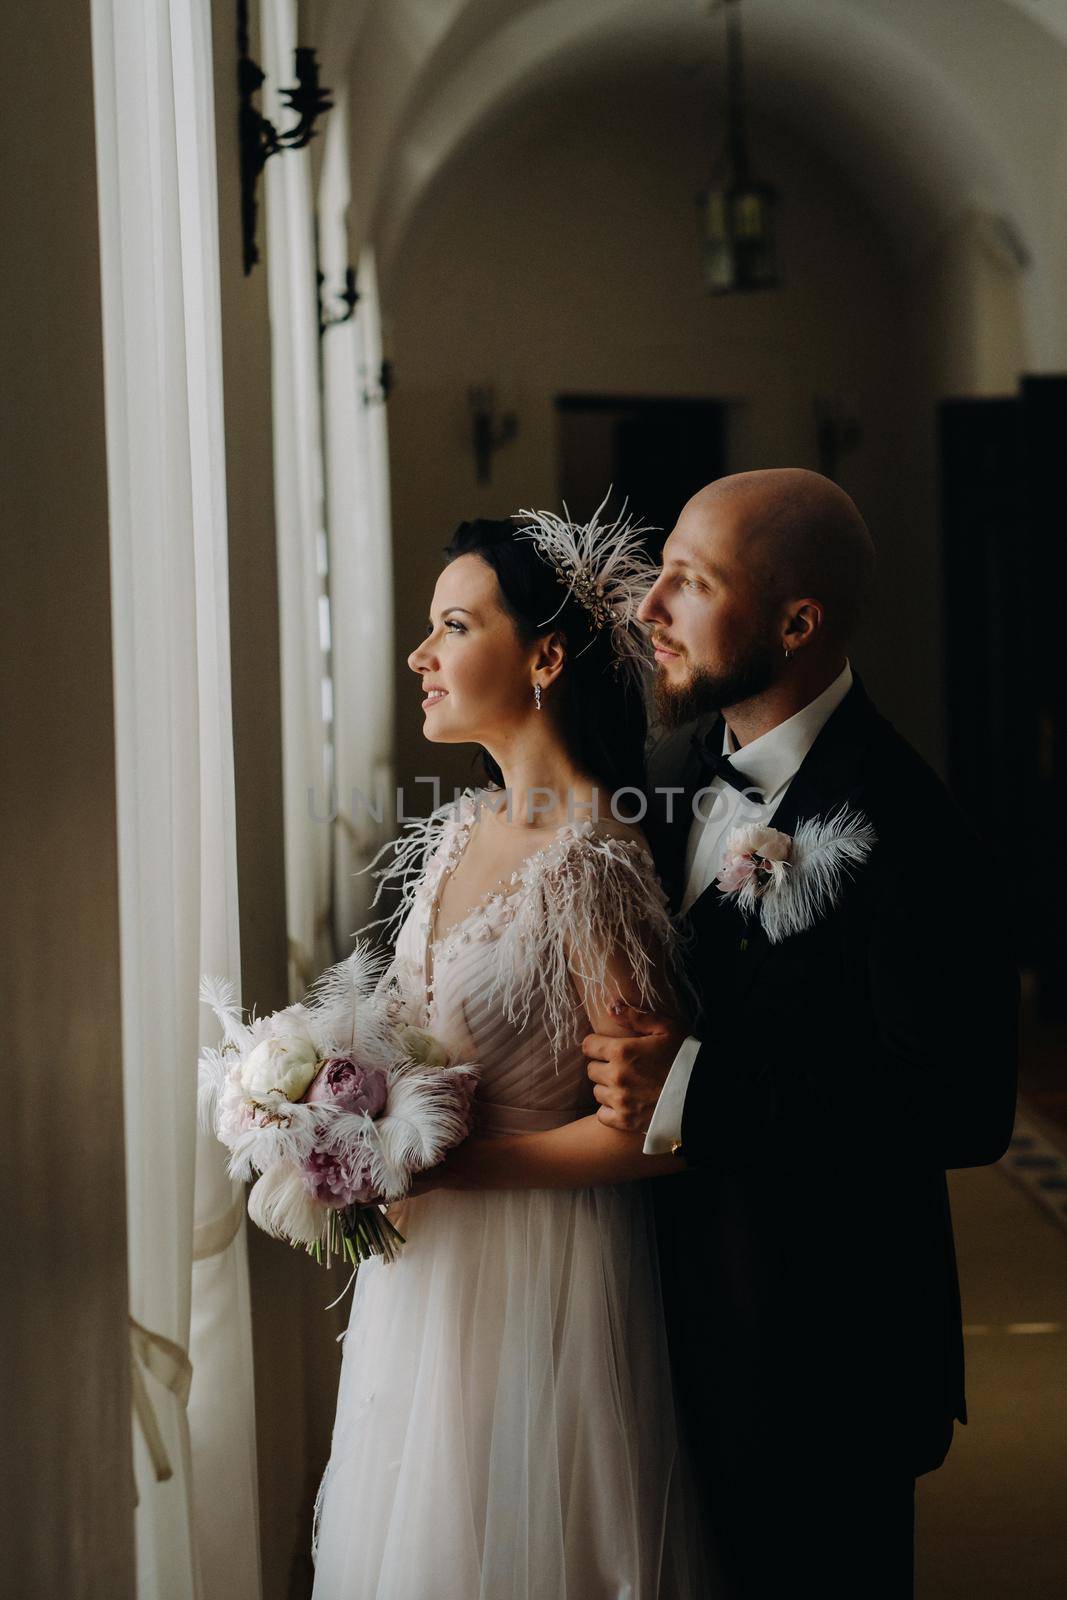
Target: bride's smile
477, 673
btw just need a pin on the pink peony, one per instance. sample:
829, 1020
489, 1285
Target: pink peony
343, 1082
753, 851
335, 1182
735, 871
769, 843
756, 840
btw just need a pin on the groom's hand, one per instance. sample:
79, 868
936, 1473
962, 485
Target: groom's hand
628, 1073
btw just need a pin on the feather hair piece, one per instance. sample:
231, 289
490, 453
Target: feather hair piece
605, 568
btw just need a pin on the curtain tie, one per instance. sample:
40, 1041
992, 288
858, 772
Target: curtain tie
211, 1238
169, 1364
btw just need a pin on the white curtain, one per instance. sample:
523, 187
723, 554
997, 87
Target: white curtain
360, 553
298, 496
194, 1445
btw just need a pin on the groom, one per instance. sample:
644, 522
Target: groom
857, 1037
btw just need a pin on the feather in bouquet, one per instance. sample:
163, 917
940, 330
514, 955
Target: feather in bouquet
332, 1108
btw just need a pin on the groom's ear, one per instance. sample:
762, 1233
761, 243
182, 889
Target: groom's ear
805, 623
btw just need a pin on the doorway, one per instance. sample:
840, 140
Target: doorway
654, 453
1004, 574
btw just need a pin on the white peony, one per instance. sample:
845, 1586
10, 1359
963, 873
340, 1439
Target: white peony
423, 1048
285, 1062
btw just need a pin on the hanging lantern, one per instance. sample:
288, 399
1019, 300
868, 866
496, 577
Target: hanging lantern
739, 212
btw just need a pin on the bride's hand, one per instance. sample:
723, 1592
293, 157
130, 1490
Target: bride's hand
464, 1167
443, 1176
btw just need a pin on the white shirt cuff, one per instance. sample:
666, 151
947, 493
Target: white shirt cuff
665, 1129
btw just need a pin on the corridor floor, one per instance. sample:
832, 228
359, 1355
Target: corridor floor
992, 1523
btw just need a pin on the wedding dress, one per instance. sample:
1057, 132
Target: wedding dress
505, 1427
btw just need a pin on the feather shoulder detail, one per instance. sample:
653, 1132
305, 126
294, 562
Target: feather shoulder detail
587, 897
414, 855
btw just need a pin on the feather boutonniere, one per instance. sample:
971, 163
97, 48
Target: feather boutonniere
790, 881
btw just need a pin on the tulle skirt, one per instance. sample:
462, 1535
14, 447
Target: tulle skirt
505, 1426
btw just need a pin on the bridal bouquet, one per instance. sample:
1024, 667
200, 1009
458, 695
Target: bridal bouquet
334, 1106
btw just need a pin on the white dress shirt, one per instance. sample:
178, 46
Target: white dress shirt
769, 763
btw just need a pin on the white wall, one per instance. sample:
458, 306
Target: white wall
66, 1494
935, 108
559, 252
969, 312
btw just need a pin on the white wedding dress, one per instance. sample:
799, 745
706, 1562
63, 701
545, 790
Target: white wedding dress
505, 1426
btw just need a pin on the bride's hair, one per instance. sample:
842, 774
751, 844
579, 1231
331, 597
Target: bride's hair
603, 712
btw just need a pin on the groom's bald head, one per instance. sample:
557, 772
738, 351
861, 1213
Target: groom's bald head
765, 576
796, 535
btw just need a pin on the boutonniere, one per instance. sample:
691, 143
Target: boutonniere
790, 881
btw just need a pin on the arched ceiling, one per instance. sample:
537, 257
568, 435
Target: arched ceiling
931, 107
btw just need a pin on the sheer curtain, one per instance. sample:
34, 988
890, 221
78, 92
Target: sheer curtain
298, 497
360, 553
194, 1444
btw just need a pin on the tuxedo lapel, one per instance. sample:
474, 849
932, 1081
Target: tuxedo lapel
830, 771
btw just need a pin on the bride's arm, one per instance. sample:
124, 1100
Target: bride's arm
584, 1152
579, 1155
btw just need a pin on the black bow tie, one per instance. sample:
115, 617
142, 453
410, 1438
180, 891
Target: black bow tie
718, 765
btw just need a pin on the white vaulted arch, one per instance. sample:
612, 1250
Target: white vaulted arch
932, 111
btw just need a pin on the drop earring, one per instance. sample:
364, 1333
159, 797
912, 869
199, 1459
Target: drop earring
537, 696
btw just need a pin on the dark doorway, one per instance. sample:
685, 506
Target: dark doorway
1004, 574
654, 453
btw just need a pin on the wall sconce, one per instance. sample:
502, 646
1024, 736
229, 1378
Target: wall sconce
349, 298
386, 385
488, 431
258, 138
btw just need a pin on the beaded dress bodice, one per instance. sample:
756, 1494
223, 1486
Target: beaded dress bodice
497, 988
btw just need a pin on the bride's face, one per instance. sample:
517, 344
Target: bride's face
477, 676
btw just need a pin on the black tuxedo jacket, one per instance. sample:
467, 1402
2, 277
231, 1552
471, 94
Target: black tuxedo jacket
807, 1253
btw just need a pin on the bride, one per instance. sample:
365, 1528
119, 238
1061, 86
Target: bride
505, 1427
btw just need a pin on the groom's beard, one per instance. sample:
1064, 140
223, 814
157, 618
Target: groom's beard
751, 672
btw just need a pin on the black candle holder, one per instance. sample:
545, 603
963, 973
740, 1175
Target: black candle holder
349, 298
258, 138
